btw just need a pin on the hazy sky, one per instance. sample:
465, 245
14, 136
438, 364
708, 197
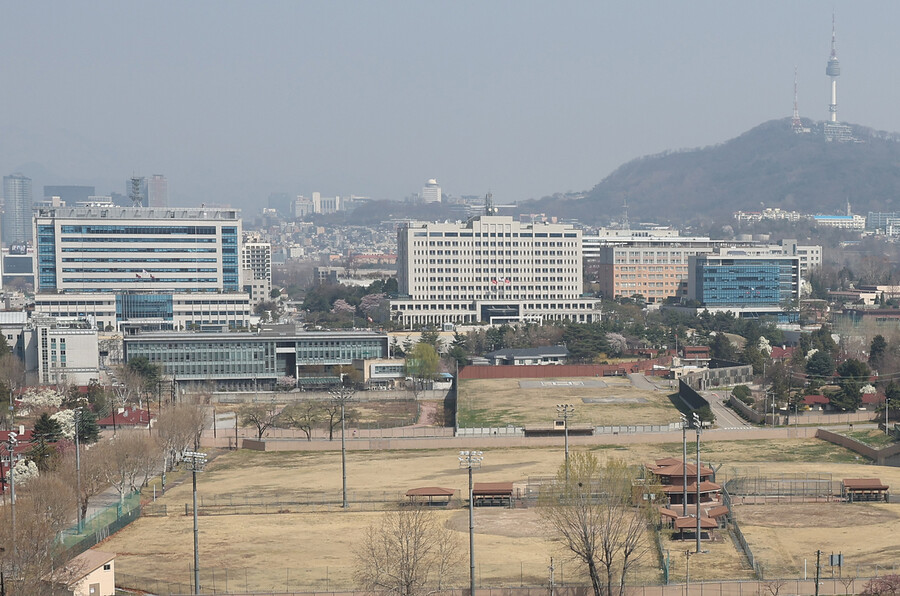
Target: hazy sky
234, 100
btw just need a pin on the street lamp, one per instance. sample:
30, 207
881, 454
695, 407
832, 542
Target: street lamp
471, 460
341, 396
195, 461
697, 427
566, 410
684, 426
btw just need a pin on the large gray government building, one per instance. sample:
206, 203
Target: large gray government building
491, 269
256, 360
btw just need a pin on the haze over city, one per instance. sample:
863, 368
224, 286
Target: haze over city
232, 101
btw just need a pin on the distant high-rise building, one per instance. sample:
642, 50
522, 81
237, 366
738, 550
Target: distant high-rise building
158, 191
68, 194
431, 192
16, 226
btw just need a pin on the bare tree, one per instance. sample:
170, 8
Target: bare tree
262, 416
305, 415
331, 416
407, 553
92, 475
131, 455
178, 429
594, 516
34, 558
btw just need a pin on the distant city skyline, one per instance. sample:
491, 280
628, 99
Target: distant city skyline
520, 99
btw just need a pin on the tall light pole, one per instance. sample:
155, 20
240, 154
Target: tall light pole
471, 460
566, 410
697, 426
79, 519
11, 442
684, 425
341, 396
195, 461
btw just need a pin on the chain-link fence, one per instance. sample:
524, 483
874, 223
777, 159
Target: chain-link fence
102, 524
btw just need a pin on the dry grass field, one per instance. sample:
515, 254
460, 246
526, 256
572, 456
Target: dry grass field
523, 402
314, 549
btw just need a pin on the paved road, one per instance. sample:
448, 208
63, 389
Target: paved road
726, 418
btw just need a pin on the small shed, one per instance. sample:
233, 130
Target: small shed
864, 489
492, 494
431, 496
92, 573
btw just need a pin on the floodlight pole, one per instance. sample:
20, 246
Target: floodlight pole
79, 520
196, 462
684, 425
341, 396
11, 442
470, 460
697, 425
566, 410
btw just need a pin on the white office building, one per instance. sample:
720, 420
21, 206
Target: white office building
141, 267
491, 269
256, 271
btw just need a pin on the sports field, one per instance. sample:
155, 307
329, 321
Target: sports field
313, 549
601, 401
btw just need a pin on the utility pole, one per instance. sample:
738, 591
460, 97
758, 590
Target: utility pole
566, 410
684, 425
818, 569
341, 396
697, 425
196, 461
471, 460
80, 520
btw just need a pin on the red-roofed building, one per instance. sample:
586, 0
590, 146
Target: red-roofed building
781, 353
126, 417
872, 400
817, 402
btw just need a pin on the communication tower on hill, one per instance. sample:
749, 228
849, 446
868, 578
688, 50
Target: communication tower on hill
833, 70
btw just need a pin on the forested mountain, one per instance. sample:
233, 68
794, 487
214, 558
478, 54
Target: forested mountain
767, 166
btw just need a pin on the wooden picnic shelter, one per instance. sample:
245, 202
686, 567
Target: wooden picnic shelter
430, 495
864, 489
487, 494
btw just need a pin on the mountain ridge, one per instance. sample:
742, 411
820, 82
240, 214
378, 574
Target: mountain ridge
766, 166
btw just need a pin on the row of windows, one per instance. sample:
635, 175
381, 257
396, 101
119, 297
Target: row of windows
133, 230
140, 249
144, 240
140, 260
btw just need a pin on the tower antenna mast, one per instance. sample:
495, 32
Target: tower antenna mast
796, 124
833, 70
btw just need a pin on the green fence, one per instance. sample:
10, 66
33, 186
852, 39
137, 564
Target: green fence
102, 524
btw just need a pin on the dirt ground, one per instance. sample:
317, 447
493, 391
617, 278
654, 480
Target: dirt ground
314, 550
499, 402
783, 536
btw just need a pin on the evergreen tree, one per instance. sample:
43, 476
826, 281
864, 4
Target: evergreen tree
877, 349
88, 430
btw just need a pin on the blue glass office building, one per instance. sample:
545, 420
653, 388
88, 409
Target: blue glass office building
744, 280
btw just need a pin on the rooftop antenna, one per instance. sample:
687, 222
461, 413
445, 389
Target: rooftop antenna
796, 124
489, 208
136, 195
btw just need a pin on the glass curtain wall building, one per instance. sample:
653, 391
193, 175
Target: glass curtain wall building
145, 257
747, 281
255, 361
